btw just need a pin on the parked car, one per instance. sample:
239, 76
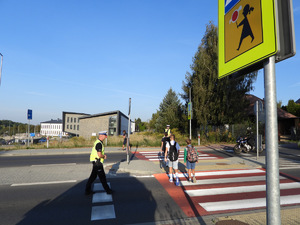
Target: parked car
43, 139
2, 141
10, 142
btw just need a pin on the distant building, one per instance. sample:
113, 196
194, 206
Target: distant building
286, 121
71, 122
87, 125
52, 128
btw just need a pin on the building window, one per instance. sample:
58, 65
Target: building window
68, 120
112, 125
71, 127
67, 126
74, 120
71, 119
77, 127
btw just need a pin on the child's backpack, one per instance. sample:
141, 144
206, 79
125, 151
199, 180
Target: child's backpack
173, 153
192, 155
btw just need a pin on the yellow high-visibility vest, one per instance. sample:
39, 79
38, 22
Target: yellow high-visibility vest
168, 131
94, 153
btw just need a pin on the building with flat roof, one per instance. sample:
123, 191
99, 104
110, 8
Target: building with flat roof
70, 122
88, 125
52, 128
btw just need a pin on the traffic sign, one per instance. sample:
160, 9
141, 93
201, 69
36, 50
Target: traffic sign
189, 110
29, 114
247, 34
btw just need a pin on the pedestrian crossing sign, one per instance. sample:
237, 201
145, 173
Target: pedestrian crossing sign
247, 34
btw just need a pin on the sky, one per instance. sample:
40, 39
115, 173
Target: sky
91, 56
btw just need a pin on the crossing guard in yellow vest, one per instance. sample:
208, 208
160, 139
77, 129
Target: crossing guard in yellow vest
97, 158
168, 130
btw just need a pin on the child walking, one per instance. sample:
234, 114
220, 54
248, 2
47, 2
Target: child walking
190, 158
171, 155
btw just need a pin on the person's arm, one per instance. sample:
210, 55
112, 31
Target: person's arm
178, 148
99, 151
166, 152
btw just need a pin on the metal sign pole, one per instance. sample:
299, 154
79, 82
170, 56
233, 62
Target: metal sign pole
129, 129
256, 130
28, 133
190, 96
272, 174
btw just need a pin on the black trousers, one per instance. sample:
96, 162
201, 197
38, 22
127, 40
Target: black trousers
97, 171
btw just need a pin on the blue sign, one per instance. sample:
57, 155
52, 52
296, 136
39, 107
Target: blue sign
229, 4
32, 134
29, 114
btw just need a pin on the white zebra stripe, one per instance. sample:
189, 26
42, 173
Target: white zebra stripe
234, 190
247, 203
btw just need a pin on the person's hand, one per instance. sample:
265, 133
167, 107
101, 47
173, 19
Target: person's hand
104, 156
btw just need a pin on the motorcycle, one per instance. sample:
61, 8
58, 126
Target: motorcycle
243, 144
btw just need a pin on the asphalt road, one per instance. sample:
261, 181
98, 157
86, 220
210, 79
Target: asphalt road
55, 194
135, 201
33, 197
13, 161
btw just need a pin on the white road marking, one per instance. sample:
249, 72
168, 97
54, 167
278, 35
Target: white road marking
247, 203
230, 172
103, 212
43, 183
47, 165
234, 190
226, 180
101, 197
99, 187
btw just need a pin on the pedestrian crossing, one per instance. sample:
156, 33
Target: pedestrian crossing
158, 156
103, 207
227, 191
288, 163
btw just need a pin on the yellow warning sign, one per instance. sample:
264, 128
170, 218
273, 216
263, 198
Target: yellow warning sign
247, 34
243, 28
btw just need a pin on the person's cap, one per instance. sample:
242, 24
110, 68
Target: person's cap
103, 132
168, 125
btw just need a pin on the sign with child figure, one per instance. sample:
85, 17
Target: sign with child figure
247, 33
243, 28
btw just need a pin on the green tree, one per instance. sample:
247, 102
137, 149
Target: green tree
215, 101
139, 125
170, 112
293, 108
153, 121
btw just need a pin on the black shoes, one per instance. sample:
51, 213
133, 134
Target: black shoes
109, 192
89, 192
